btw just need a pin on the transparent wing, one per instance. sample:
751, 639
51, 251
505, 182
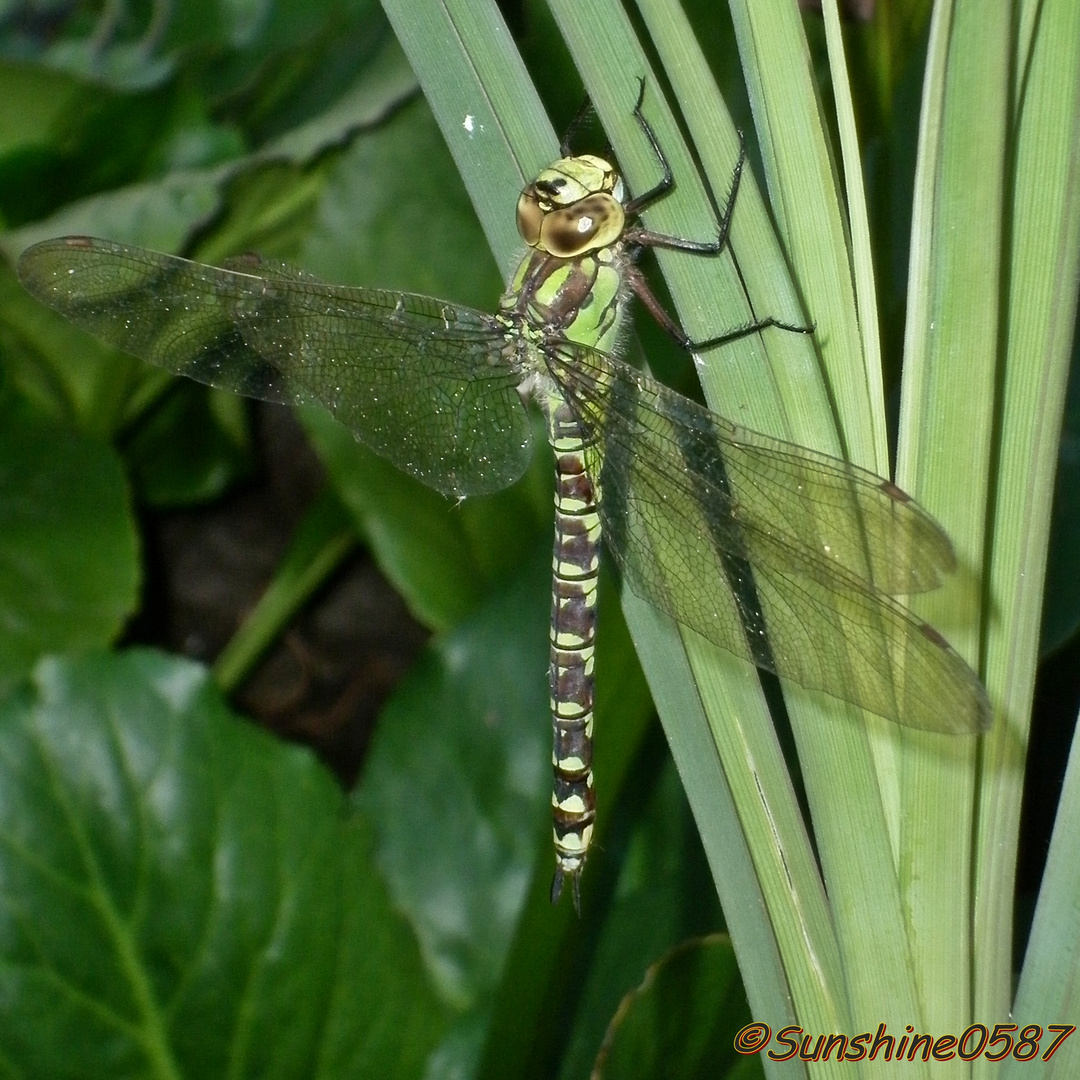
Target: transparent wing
422, 382
784, 556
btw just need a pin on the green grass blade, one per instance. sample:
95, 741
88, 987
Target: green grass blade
722, 702
1041, 270
858, 221
950, 348
852, 822
477, 86
805, 200
896, 930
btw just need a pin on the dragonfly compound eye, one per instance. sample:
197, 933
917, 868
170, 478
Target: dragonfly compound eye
530, 216
566, 232
572, 207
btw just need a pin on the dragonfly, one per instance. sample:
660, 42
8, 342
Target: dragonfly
784, 556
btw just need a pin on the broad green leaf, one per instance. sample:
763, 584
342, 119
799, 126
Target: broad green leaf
442, 558
184, 897
457, 780
191, 449
33, 108
68, 555
394, 213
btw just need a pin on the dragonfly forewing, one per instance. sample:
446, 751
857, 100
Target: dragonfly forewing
423, 382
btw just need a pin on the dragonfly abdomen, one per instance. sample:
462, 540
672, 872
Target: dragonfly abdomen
575, 569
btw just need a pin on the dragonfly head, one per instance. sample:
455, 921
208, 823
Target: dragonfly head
573, 206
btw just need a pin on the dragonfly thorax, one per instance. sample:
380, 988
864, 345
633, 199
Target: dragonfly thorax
572, 207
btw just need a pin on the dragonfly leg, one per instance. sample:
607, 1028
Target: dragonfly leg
667, 178
648, 238
681, 338
642, 237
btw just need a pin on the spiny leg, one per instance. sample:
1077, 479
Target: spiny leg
642, 237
